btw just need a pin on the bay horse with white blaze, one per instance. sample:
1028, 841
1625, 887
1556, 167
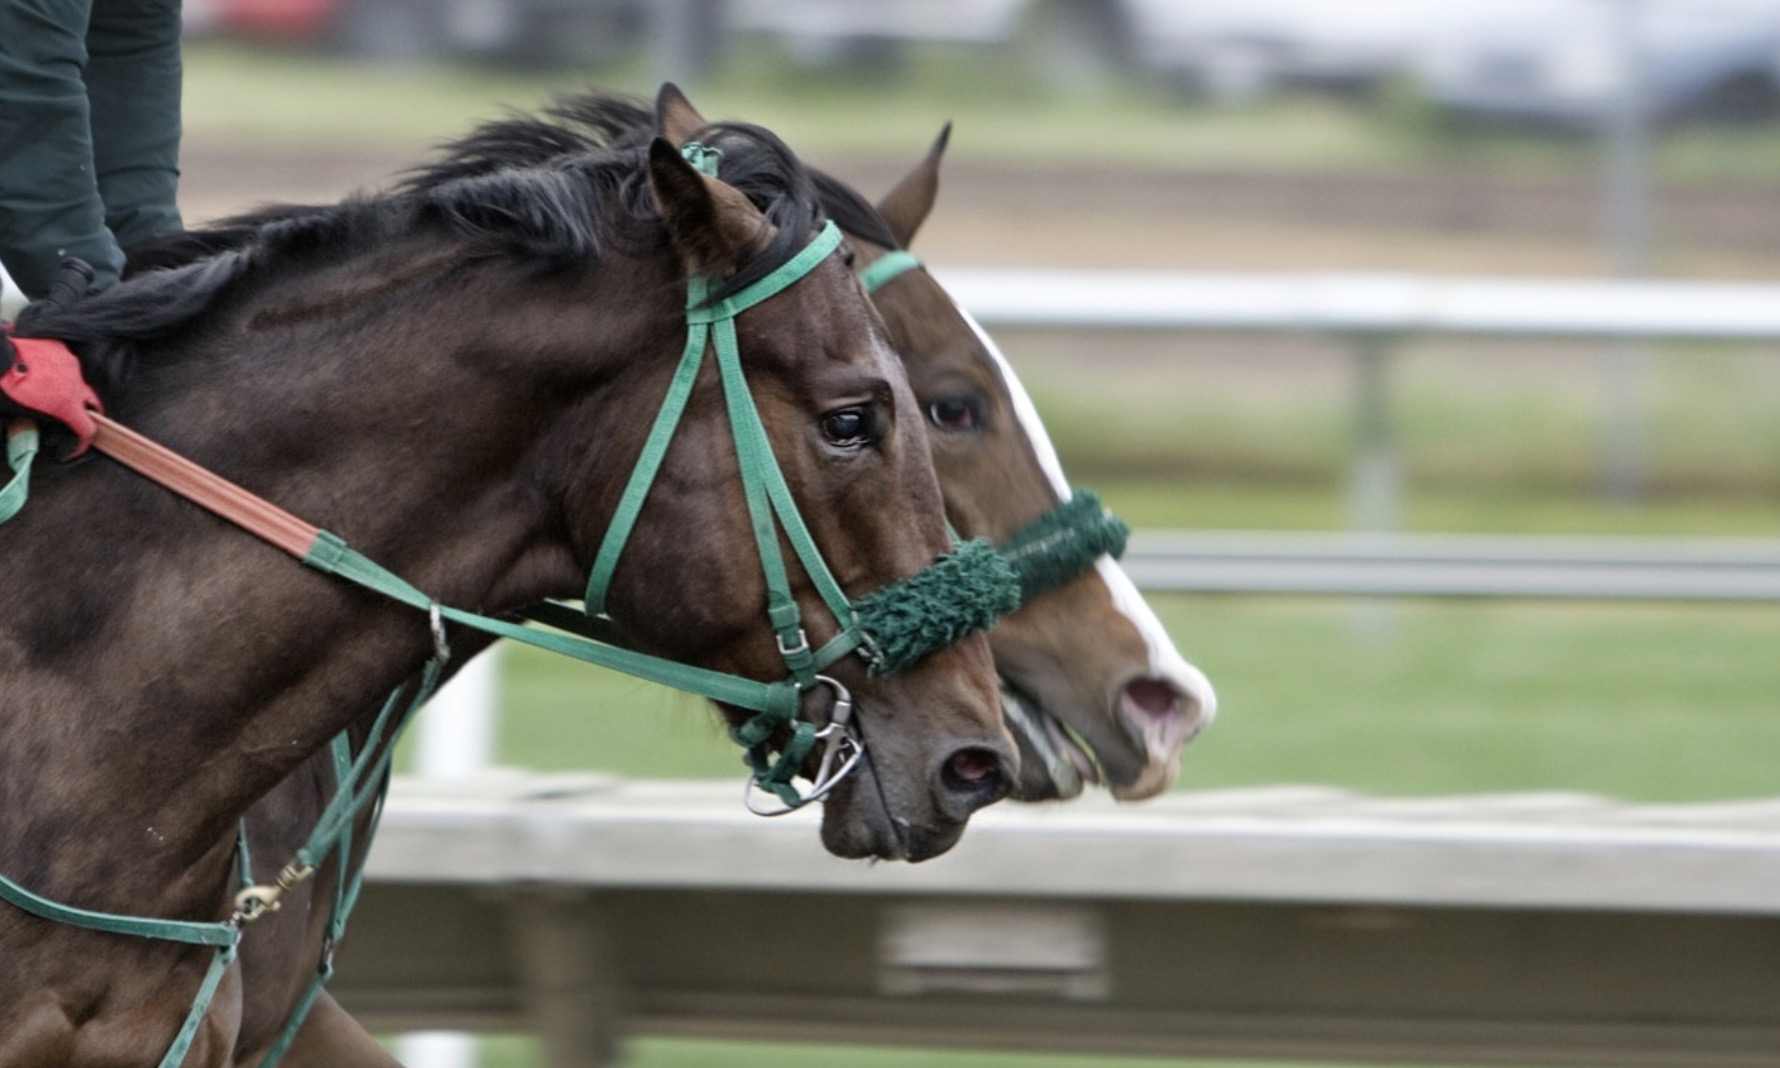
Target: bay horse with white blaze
457, 380
1094, 689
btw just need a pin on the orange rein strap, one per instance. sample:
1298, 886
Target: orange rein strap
205, 488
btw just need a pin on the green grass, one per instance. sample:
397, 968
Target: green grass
693, 1053
1499, 438
1650, 703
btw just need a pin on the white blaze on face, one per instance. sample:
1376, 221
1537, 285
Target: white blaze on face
1166, 662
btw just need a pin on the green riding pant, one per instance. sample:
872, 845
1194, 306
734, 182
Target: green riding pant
89, 133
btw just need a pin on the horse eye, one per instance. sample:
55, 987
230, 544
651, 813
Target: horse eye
848, 427
955, 413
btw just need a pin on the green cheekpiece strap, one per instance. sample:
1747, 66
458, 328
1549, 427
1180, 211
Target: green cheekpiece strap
642, 476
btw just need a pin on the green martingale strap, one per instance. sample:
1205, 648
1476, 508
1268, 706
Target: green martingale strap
1064, 542
225, 936
219, 964
362, 779
346, 888
21, 449
221, 933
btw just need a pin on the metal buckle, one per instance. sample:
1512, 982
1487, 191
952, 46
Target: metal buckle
841, 753
802, 647
255, 902
868, 650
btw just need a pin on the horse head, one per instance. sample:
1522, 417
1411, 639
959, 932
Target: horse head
1094, 688
848, 436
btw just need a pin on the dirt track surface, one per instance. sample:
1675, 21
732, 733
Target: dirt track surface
1081, 216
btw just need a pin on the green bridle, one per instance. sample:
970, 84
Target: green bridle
966, 590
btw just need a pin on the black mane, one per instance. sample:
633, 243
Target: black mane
583, 124
546, 193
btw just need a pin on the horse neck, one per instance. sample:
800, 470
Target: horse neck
167, 669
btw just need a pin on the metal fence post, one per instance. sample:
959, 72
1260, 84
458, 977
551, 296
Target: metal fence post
1375, 493
1626, 130
1375, 490
564, 950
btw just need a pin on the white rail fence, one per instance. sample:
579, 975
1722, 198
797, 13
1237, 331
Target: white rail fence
1368, 315
1457, 565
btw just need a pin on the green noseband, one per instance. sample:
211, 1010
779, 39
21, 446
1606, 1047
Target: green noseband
1064, 542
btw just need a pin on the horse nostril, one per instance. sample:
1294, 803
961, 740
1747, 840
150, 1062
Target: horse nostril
976, 773
1153, 698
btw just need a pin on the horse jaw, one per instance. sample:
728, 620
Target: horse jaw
1165, 709
1159, 704
1119, 718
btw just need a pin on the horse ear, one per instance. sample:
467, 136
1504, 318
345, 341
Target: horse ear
905, 207
675, 117
713, 226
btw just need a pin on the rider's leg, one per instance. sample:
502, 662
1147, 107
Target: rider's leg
133, 84
49, 197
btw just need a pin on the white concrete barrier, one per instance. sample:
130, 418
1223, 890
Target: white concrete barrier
1300, 923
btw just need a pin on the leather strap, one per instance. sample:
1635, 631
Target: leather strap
159, 464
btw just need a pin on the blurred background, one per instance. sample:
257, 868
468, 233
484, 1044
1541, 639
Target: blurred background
1531, 139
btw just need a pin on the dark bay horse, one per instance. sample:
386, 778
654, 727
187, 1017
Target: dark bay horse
457, 379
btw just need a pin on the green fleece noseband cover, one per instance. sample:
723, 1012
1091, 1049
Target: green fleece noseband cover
966, 590
1063, 543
